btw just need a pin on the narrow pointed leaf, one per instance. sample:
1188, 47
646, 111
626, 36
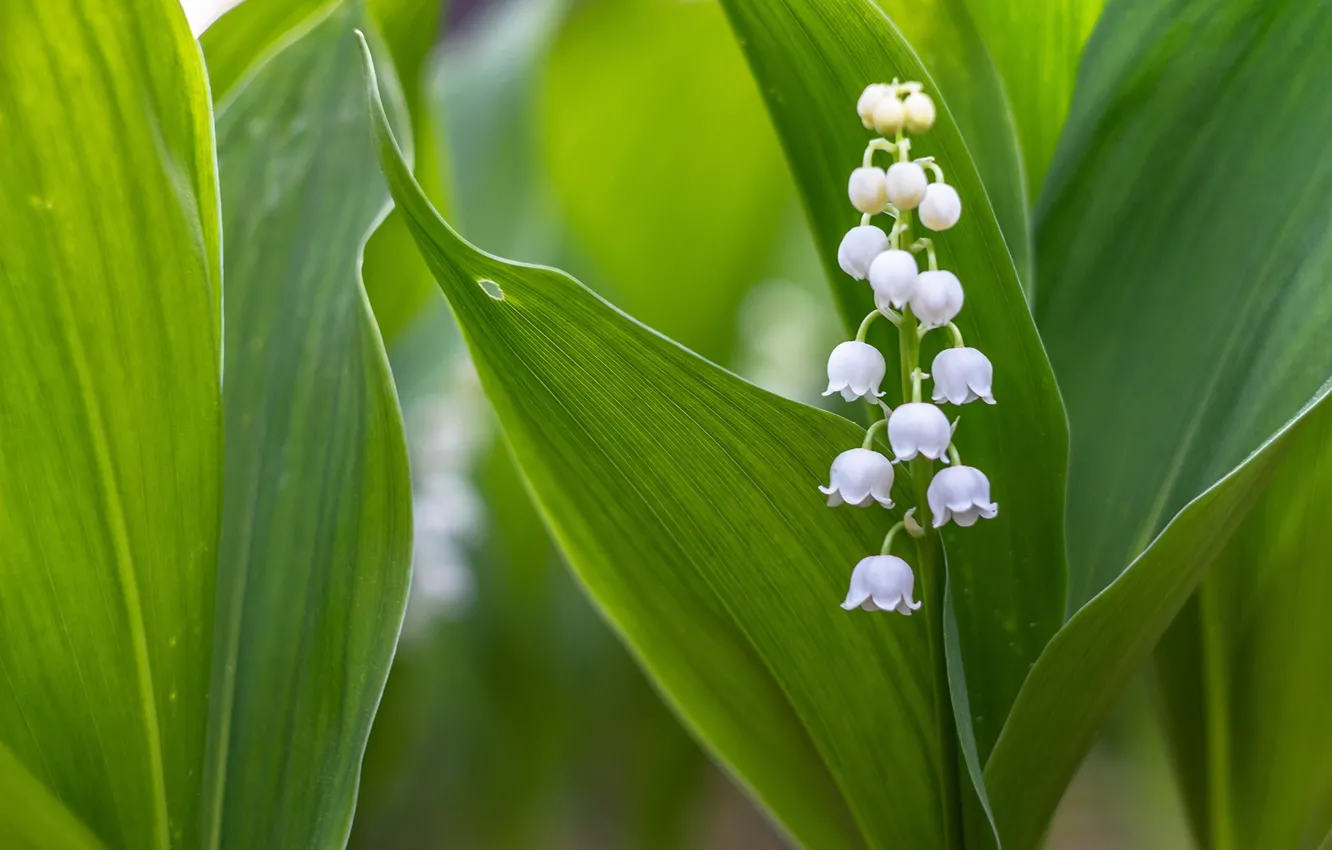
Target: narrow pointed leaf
110, 416
812, 60
687, 502
317, 525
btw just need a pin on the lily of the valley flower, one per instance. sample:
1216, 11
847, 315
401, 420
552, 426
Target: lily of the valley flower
882, 583
962, 494
893, 278
889, 115
855, 369
919, 111
941, 207
962, 375
905, 185
919, 428
869, 101
859, 247
937, 299
860, 477
866, 189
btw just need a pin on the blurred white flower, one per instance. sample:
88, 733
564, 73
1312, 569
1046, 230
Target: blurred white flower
962, 375
869, 101
860, 477
866, 189
941, 207
905, 184
892, 275
855, 370
889, 115
918, 428
919, 112
937, 299
859, 247
962, 494
882, 583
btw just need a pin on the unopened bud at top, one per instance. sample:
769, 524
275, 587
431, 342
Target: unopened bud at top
941, 207
866, 190
919, 111
869, 100
905, 185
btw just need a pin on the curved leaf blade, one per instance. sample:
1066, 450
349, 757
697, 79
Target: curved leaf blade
110, 416
812, 61
316, 543
686, 501
32, 818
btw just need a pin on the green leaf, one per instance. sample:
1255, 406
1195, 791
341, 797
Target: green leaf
249, 34
316, 544
32, 818
111, 424
647, 106
687, 502
812, 61
1036, 46
1245, 673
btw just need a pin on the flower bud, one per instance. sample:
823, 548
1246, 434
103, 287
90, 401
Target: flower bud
859, 247
882, 583
905, 185
860, 477
919, 111
855, 369
866, 189
889, 115
962, 494
893, 278
962, 375
869, 101
918, 428
941, 207
937, 299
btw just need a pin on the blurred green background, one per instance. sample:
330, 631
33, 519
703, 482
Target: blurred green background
625, 142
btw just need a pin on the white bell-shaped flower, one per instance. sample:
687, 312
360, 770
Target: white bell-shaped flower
941, 207
859, 247
860, 477
889, 115
882, 583
869, 101
937, 298
905, 185
962, 375
866, 189
855, 369
962, 494
893, 278
919, 112
918, 427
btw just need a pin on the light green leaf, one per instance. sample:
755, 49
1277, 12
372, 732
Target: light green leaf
812, 60
1036, 46
1091, 659
33, 819
1244, 671
663, 162
687, 502
250, 33
317, 520
110, 414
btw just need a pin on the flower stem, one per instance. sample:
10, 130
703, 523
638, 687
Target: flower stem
865, 325
887, 547
926, 244
953, 454
957, 336
872, 432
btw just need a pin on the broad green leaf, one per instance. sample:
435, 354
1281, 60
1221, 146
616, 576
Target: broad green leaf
1184, 266
1036, 46
32, 818
687, 502
249, 34
1088, 663
812, 60
110, 413
945, 38
663, 162
1245, 673
317, 518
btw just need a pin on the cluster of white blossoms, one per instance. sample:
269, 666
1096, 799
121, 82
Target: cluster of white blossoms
916, 302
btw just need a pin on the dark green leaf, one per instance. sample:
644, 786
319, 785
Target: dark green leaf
317, 521
110, 416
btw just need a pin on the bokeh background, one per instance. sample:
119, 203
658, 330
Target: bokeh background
623, 141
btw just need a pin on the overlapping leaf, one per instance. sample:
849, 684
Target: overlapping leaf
317, 523
110, 418
687, 502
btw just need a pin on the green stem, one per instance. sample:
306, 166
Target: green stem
953, 454
957, 336
926, 244
872, 432
887, 547
865, 325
